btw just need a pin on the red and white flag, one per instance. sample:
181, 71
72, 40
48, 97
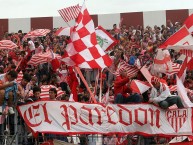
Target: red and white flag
175, 68
104, 39
188, 53
182, 73
41, 58
182, 92
66, 31
189, 23
173, 88
182, 39
162, 61
146, 74
19, 77
139, 86
131, 70
7, 44
83, 50
36, 33
70, 13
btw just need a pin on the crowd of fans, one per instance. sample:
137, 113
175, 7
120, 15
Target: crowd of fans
135, 45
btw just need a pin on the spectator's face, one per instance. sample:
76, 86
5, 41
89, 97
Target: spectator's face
24, 82
10, 79
52, 95
37, 94
124, 73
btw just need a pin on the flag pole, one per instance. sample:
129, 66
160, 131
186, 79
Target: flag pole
85, 83
101, 82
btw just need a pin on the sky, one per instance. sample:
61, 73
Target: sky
46, 8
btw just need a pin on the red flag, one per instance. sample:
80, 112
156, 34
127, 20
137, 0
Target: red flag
190, 64
182, 39
70, 13
83, 50
189, 23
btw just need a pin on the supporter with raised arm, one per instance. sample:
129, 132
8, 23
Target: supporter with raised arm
122, 90
160, 94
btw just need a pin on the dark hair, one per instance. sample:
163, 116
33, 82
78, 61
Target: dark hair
13, 66
9, 58
36, 89
53, 90
13, 74
27, 77
20, 31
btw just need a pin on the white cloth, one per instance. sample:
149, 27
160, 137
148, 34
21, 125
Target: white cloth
31, 45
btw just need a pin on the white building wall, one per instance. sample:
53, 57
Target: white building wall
190, 11
59, 22
23, 24
154, 18
107, 20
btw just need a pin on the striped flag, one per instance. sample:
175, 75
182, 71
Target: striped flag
173, 88
70, 13
41, 58
36, 33
188, 53
45, 91
7, 44
175, 69
131, 70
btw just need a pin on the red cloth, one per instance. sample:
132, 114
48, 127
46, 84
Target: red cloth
190, 64
55, 64
121, 87
13, 55
73, 83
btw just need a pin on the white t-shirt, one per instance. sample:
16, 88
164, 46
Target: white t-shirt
39, 49
31, 45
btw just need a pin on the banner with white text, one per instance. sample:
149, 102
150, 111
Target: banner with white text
79, 118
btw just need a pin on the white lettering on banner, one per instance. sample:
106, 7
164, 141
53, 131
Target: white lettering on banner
73, 117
